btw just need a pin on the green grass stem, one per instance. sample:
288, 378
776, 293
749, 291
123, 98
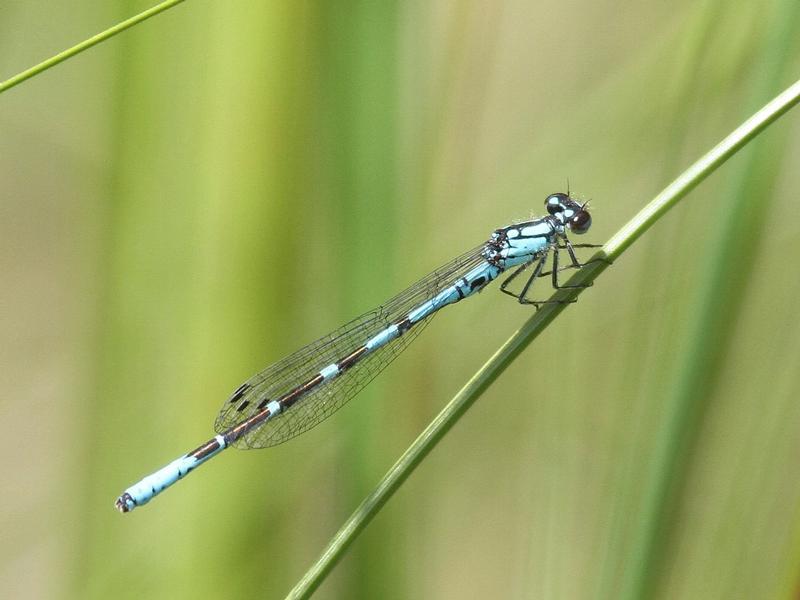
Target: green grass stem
86, 44
519, 341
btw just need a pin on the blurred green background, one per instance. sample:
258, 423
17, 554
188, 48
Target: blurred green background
203, 194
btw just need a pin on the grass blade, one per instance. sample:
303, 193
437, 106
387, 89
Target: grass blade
86, 44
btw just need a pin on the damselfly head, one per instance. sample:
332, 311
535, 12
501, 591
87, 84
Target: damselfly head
570, 213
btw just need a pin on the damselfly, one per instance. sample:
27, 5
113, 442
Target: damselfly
298, 392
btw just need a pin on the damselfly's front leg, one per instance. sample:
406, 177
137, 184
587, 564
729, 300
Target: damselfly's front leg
576, 264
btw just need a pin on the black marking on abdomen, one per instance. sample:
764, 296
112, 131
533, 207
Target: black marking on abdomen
206, 449
403, 325
460, 292
239, 392
290, 398
477, 283
351, 359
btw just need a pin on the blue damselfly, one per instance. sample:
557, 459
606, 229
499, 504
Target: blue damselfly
298, 392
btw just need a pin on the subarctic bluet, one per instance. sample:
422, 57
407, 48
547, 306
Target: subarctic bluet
298, 392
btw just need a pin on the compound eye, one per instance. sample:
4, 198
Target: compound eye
580, 222
555, 203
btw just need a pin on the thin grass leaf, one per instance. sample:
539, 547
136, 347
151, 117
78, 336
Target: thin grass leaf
86, 44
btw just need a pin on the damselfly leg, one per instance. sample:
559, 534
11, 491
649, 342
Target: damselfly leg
576, 264
516, 273
539, 271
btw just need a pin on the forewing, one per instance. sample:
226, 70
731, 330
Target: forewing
304, 364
